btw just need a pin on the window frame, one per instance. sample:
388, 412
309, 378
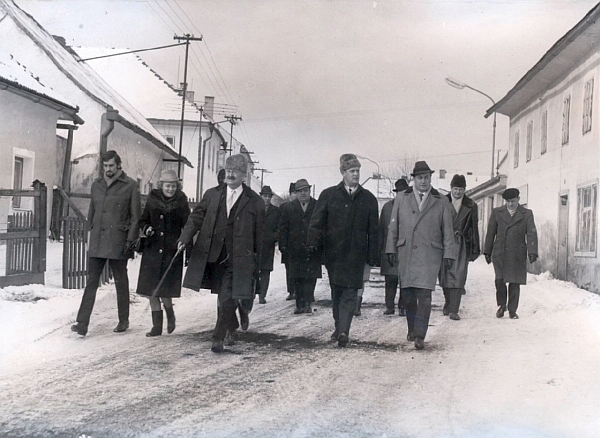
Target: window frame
592, 237
544, 133
588, 103
529, 142
566, 120
516, 149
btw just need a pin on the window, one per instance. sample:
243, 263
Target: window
170, 139
544, 133
586, 219
18, 181
516, 149
587, 106
529, 145
565, 125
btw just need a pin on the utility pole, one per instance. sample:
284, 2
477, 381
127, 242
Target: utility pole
262, 174
200, 163
232, 119
187, 38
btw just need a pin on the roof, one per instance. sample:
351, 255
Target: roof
566, 53
84, 77
18, 77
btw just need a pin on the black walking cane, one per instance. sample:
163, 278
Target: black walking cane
162, 280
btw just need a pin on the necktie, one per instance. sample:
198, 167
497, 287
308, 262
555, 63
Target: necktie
350, 191
230, 201
421, 197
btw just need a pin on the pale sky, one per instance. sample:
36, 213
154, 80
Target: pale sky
315, 79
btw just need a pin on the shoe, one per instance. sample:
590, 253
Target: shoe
513, 315
80, 328
342, 340
262, 300
334, 335
388, 311
121, 327
157, 324
298, 311
230, 337
244, 321
410, 337
455, 316
358, 304
419, 343
290, 297
401, 311
217, 346
170, 319
445, 310
500, 312
307, 309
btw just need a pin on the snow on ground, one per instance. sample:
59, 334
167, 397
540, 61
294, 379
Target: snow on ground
538, 376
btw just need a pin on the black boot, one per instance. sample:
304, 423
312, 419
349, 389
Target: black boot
157, 324
170, 319
358, 303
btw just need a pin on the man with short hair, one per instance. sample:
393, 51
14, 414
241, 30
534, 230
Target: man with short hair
510, 240
420, 238
465, 223
344, 224
272, 215
226, 255
113, 218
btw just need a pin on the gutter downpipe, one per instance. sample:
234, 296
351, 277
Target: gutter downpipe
201, 191
111, 116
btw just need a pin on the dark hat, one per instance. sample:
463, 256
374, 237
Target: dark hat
292, 187
510, 193
421, 167
266, 190
400, 185
348, 161
458, 181
301, 184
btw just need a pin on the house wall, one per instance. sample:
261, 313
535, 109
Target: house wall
561, 170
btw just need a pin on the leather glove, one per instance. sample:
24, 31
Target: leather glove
391, 259
532, 258
488, 258
180, 246
149, 231
448, 263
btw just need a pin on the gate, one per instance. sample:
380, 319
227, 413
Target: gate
25, 239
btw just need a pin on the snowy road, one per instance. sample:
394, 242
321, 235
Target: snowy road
538, 376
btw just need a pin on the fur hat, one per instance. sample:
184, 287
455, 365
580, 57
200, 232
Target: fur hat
458, 181
510, 193
168, 175
400, 185
237, 162
348, 161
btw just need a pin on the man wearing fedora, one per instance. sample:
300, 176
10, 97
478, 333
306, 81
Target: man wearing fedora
390, 272
113, 219
420, 239
272, 215
465, 222
510, 240
344, 224
304, 265
226, 255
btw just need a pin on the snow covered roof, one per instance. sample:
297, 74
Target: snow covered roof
85, 77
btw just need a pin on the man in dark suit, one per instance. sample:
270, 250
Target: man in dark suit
284, 258
344, 224
226, 255
272, 215
304, 266
510, 240
466, 235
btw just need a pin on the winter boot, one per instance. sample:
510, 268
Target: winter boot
358, 303
170, 319
157, 324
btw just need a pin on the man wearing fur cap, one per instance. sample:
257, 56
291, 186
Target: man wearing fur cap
226, 255
344, 226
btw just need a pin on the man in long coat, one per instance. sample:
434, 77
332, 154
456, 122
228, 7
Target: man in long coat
304, 266
344, 225
390, 272
466, 235
226, 255
420, 237
272, 216
510, 240
113, 219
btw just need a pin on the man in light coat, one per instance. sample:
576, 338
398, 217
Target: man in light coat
226, 255
466, 234
344, 224
510, 240
420, 237
113, 219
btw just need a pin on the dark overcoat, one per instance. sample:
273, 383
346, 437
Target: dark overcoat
248, 224
345, 227
421, 239
508, 240
466, 235
113, 217
272, 216
166, 216
293, 230
384, 222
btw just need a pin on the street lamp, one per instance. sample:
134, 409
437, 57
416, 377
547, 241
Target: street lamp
461, 85
378, 172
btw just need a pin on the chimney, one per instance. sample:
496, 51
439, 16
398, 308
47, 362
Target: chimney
189, 95
442, 174
209, 106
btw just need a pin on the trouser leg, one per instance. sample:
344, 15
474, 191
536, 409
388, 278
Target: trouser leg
347, 307
410, 304
501, 292
447, 299
391, 286
227, 306
119, 270
289, 281
336, 292
514, 291
423, 312
301, 299
95, 268
265, 277
453, 296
